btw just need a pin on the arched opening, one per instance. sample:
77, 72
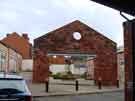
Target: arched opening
76, 38
71, 65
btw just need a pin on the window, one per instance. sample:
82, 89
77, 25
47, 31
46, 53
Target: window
2, 60
77, 35
14, 84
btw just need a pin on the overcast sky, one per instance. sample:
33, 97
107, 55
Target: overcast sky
37, 17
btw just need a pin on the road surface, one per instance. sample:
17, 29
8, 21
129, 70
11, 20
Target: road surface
113, 96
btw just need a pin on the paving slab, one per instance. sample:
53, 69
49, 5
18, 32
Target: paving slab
61, 88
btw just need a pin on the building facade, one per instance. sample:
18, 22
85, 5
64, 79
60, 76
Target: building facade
19, 43
23, 46
76, 37
10, 59
121, 64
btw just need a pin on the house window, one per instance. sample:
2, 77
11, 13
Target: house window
2, 61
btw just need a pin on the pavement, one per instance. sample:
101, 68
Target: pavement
64, 88
111, 96
60, 90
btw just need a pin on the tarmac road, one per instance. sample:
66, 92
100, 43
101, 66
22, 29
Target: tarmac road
111, 96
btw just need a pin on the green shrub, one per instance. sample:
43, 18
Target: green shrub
64, 76
57, 76
84, 75
69, 72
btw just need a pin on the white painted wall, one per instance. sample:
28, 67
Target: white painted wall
12, 60
90, 69
12, 65
55, 68
27, 64
79, 71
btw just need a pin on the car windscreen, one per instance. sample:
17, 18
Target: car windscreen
13, 84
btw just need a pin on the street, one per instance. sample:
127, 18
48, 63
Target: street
113, 96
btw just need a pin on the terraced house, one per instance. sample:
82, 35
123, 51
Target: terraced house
10, 59
22, 45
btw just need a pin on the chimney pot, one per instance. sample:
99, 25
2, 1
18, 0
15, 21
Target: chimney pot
25, 36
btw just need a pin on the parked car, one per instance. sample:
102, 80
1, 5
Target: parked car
13, 88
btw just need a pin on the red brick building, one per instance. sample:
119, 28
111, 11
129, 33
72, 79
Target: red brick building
19, 43
88, 41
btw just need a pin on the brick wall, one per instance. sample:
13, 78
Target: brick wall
61, 40
57, 60
128, 52
20, 43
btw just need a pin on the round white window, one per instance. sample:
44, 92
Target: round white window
77, 35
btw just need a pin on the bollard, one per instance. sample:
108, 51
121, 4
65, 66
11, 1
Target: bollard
117, 83
76, 85
99, 83
47, 86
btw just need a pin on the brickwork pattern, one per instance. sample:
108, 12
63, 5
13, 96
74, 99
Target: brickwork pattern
19, 43
61, 40
128, 60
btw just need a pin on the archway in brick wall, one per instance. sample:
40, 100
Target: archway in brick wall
76, 64
86, 40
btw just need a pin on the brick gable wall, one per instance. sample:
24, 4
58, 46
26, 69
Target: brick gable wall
19, 43
62, 40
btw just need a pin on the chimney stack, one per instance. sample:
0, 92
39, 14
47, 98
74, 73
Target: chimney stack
25, 36
8, 34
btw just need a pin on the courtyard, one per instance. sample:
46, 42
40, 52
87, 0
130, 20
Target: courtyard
58, 87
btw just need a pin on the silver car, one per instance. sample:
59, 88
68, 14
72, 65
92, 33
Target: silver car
13, 88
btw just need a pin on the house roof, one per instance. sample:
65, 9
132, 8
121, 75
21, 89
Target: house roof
14, 40
15, 34
126, 6
9, 47
73, 24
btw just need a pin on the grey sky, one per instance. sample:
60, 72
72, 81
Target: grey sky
37, 17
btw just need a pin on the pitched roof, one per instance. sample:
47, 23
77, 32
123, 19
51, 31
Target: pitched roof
9, 47
74, 24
